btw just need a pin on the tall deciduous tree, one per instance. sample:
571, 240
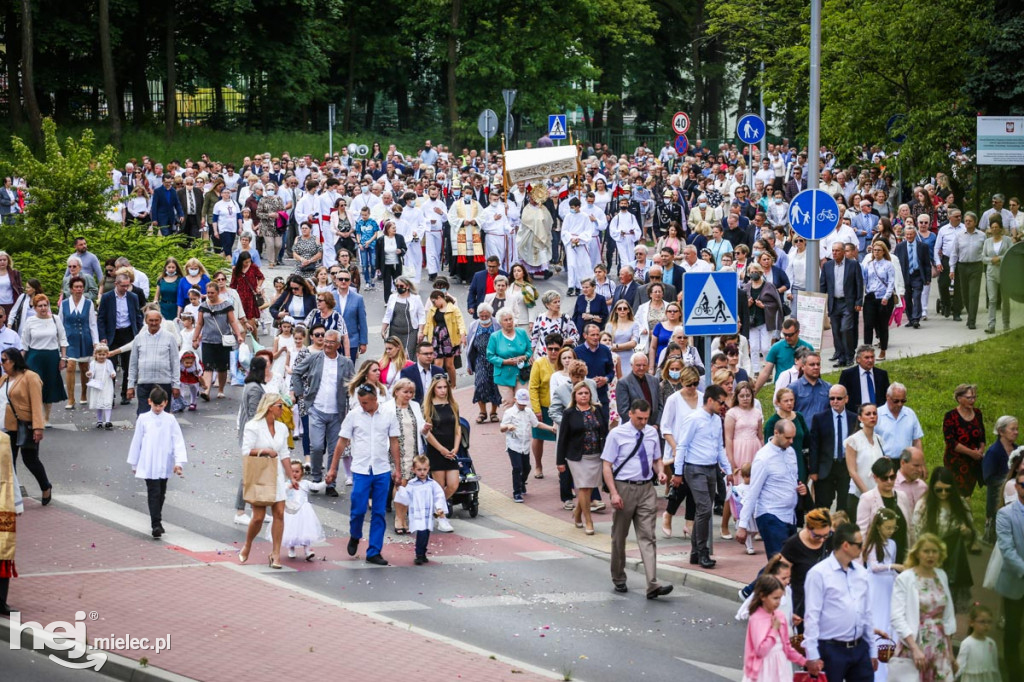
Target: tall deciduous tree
109, 79
28, 79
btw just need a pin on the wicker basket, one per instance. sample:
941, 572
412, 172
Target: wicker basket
797, 642
886, 649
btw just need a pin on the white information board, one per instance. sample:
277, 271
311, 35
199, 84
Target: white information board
1001, 140
810, 312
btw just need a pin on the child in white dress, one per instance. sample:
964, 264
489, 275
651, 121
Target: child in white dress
157, 450
301, 526
978, 658
737, 495
880, 560
284, 347
100, 387
425, 499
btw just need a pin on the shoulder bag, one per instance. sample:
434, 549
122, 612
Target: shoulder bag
23, 439
636, 449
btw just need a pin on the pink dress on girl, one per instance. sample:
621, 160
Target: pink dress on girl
746, 440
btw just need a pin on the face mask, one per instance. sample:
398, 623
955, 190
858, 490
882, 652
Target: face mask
778, 201
467, 199
674, 373
193, 271
702, 205
271, 192
401, 290
668, 201
623, 208
364, 189
170, 272
757, 253
755, 276
456, 193
574, 210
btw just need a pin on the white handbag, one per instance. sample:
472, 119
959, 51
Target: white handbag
902, 669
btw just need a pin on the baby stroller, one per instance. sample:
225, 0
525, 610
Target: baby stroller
468, 493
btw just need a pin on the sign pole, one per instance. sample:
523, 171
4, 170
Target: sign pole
813, 138
764, 140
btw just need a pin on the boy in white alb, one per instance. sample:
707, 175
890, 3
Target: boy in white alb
425, 498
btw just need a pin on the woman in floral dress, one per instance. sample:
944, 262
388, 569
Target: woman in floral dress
963, 429
484, 389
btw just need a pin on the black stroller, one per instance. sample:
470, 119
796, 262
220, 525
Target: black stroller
468, 493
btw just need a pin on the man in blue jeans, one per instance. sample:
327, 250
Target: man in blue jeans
373, 435
774, 488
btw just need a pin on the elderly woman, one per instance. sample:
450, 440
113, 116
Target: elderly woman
963, 429
552, 321
992, 253
580, 442
994, 468
484, 389
25, 417
765, 313
267, 217
923, 617
245, 245
75, 270
509, 353
499, 299
10, 283
216, 325
307, 251
404, 316
46, 346
330, 318
78, 318
266, 436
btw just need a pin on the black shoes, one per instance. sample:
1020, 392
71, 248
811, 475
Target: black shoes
957, 318
706, 561
660, 592
5, 610
353, 546
419, 560
47, 496
378, 560
694, 558
621, 588
108, 426
331, 492
158, 530
125, 401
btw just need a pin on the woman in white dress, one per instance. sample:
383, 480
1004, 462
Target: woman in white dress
266, 436
862, 449
882, 563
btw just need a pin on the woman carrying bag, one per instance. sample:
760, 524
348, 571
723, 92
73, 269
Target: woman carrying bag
24, 418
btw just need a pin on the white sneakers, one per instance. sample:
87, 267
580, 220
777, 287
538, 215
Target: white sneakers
291, 552
444, 526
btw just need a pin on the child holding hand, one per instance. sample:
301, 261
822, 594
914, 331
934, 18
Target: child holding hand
767, 650
424, 497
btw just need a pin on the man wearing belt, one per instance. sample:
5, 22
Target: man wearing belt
630, 455
700, 451
966, 268
118, 321
772, 496
945, 242
838, 631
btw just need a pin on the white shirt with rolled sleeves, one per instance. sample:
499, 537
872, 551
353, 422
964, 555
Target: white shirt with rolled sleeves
522, 421
699, 442
773, 481
370, 438
837, 605
620, 443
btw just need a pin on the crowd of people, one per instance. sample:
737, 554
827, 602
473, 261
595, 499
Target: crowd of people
629, 400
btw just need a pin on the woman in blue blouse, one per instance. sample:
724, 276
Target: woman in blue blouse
508, 350
662, 332
879, 290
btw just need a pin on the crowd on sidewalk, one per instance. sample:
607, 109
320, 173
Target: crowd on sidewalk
629, 400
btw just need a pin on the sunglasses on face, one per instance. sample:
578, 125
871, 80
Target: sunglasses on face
695, 384
890, 477
318, 335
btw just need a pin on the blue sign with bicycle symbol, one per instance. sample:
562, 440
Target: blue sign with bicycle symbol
814, 214
710, 303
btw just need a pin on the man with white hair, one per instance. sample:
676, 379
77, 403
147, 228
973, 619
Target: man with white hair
863, 225
898, 425
690, 261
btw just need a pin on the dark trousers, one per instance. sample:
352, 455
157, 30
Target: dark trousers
565, 485
835, 488
556, 245
951, 302
227, 242
521, 469
969, 277
32, 463
609, 252
844, 327
142, 392
1013, 609
774, 532
876, 320
389, 273
846, 665
122, 337
156, 491
5, 585
422, 538
191, 226
676, 497
915, 306
703, 484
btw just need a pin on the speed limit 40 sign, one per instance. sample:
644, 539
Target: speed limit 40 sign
680, 123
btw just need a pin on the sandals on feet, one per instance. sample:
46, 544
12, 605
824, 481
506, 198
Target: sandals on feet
494, 417
481, 418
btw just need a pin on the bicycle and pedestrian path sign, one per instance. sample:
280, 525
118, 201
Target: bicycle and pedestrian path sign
813, 214
710, 303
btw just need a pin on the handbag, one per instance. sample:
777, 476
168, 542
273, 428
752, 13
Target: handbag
804, 676
902, 669
524, 373
257, 294
23, 438
259, 480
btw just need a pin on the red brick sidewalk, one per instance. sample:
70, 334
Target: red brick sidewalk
225, 622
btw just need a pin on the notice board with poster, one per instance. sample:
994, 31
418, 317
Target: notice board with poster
811, 311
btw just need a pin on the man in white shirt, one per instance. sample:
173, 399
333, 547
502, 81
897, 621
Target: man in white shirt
844, 234
690, 261
435, 213
576, 237
945, 245
373, 435
227, 220
771, 498
1009, 224
497, 230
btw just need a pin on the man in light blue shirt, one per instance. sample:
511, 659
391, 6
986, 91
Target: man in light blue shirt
898, 425
864, 226
838, 631
771, 498
811, 391
699, 453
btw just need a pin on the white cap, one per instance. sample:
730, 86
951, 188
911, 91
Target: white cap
523, 397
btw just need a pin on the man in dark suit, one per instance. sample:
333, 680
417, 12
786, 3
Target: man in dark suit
639, 384
627, 290
423, 371
864, 382
915, 260
843, 281
827, 459
483, 284
192, 208
118, 320
165, 209
656, 276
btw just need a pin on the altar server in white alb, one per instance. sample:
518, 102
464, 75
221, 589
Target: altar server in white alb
598, 224
435, 214
411, 226
157, 451
497, 231
576, 237
625, 230
425, 499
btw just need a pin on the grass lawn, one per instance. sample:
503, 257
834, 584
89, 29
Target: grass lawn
995, 365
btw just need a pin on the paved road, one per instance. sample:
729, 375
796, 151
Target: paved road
29, 666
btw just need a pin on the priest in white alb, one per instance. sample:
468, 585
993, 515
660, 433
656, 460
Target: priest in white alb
534, 238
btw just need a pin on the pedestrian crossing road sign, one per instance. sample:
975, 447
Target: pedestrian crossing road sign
710, 303
556, 126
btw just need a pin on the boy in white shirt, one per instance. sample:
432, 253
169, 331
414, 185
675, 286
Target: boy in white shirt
517, 424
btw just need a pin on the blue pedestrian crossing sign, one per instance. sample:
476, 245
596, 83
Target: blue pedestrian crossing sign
710, 303
814, 214
750, 129
556, 126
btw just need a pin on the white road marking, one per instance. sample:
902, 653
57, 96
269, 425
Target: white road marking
368, 607
734, 674
546, 555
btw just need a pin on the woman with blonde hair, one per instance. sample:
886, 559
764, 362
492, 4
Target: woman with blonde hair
441, 412
393, 361
411, 424
581, 437
46, 347
368, 374
879, 295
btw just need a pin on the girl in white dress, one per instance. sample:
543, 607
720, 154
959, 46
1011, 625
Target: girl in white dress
101, 375
978, 658
158, 449
880, 559
284, 348
301, 526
